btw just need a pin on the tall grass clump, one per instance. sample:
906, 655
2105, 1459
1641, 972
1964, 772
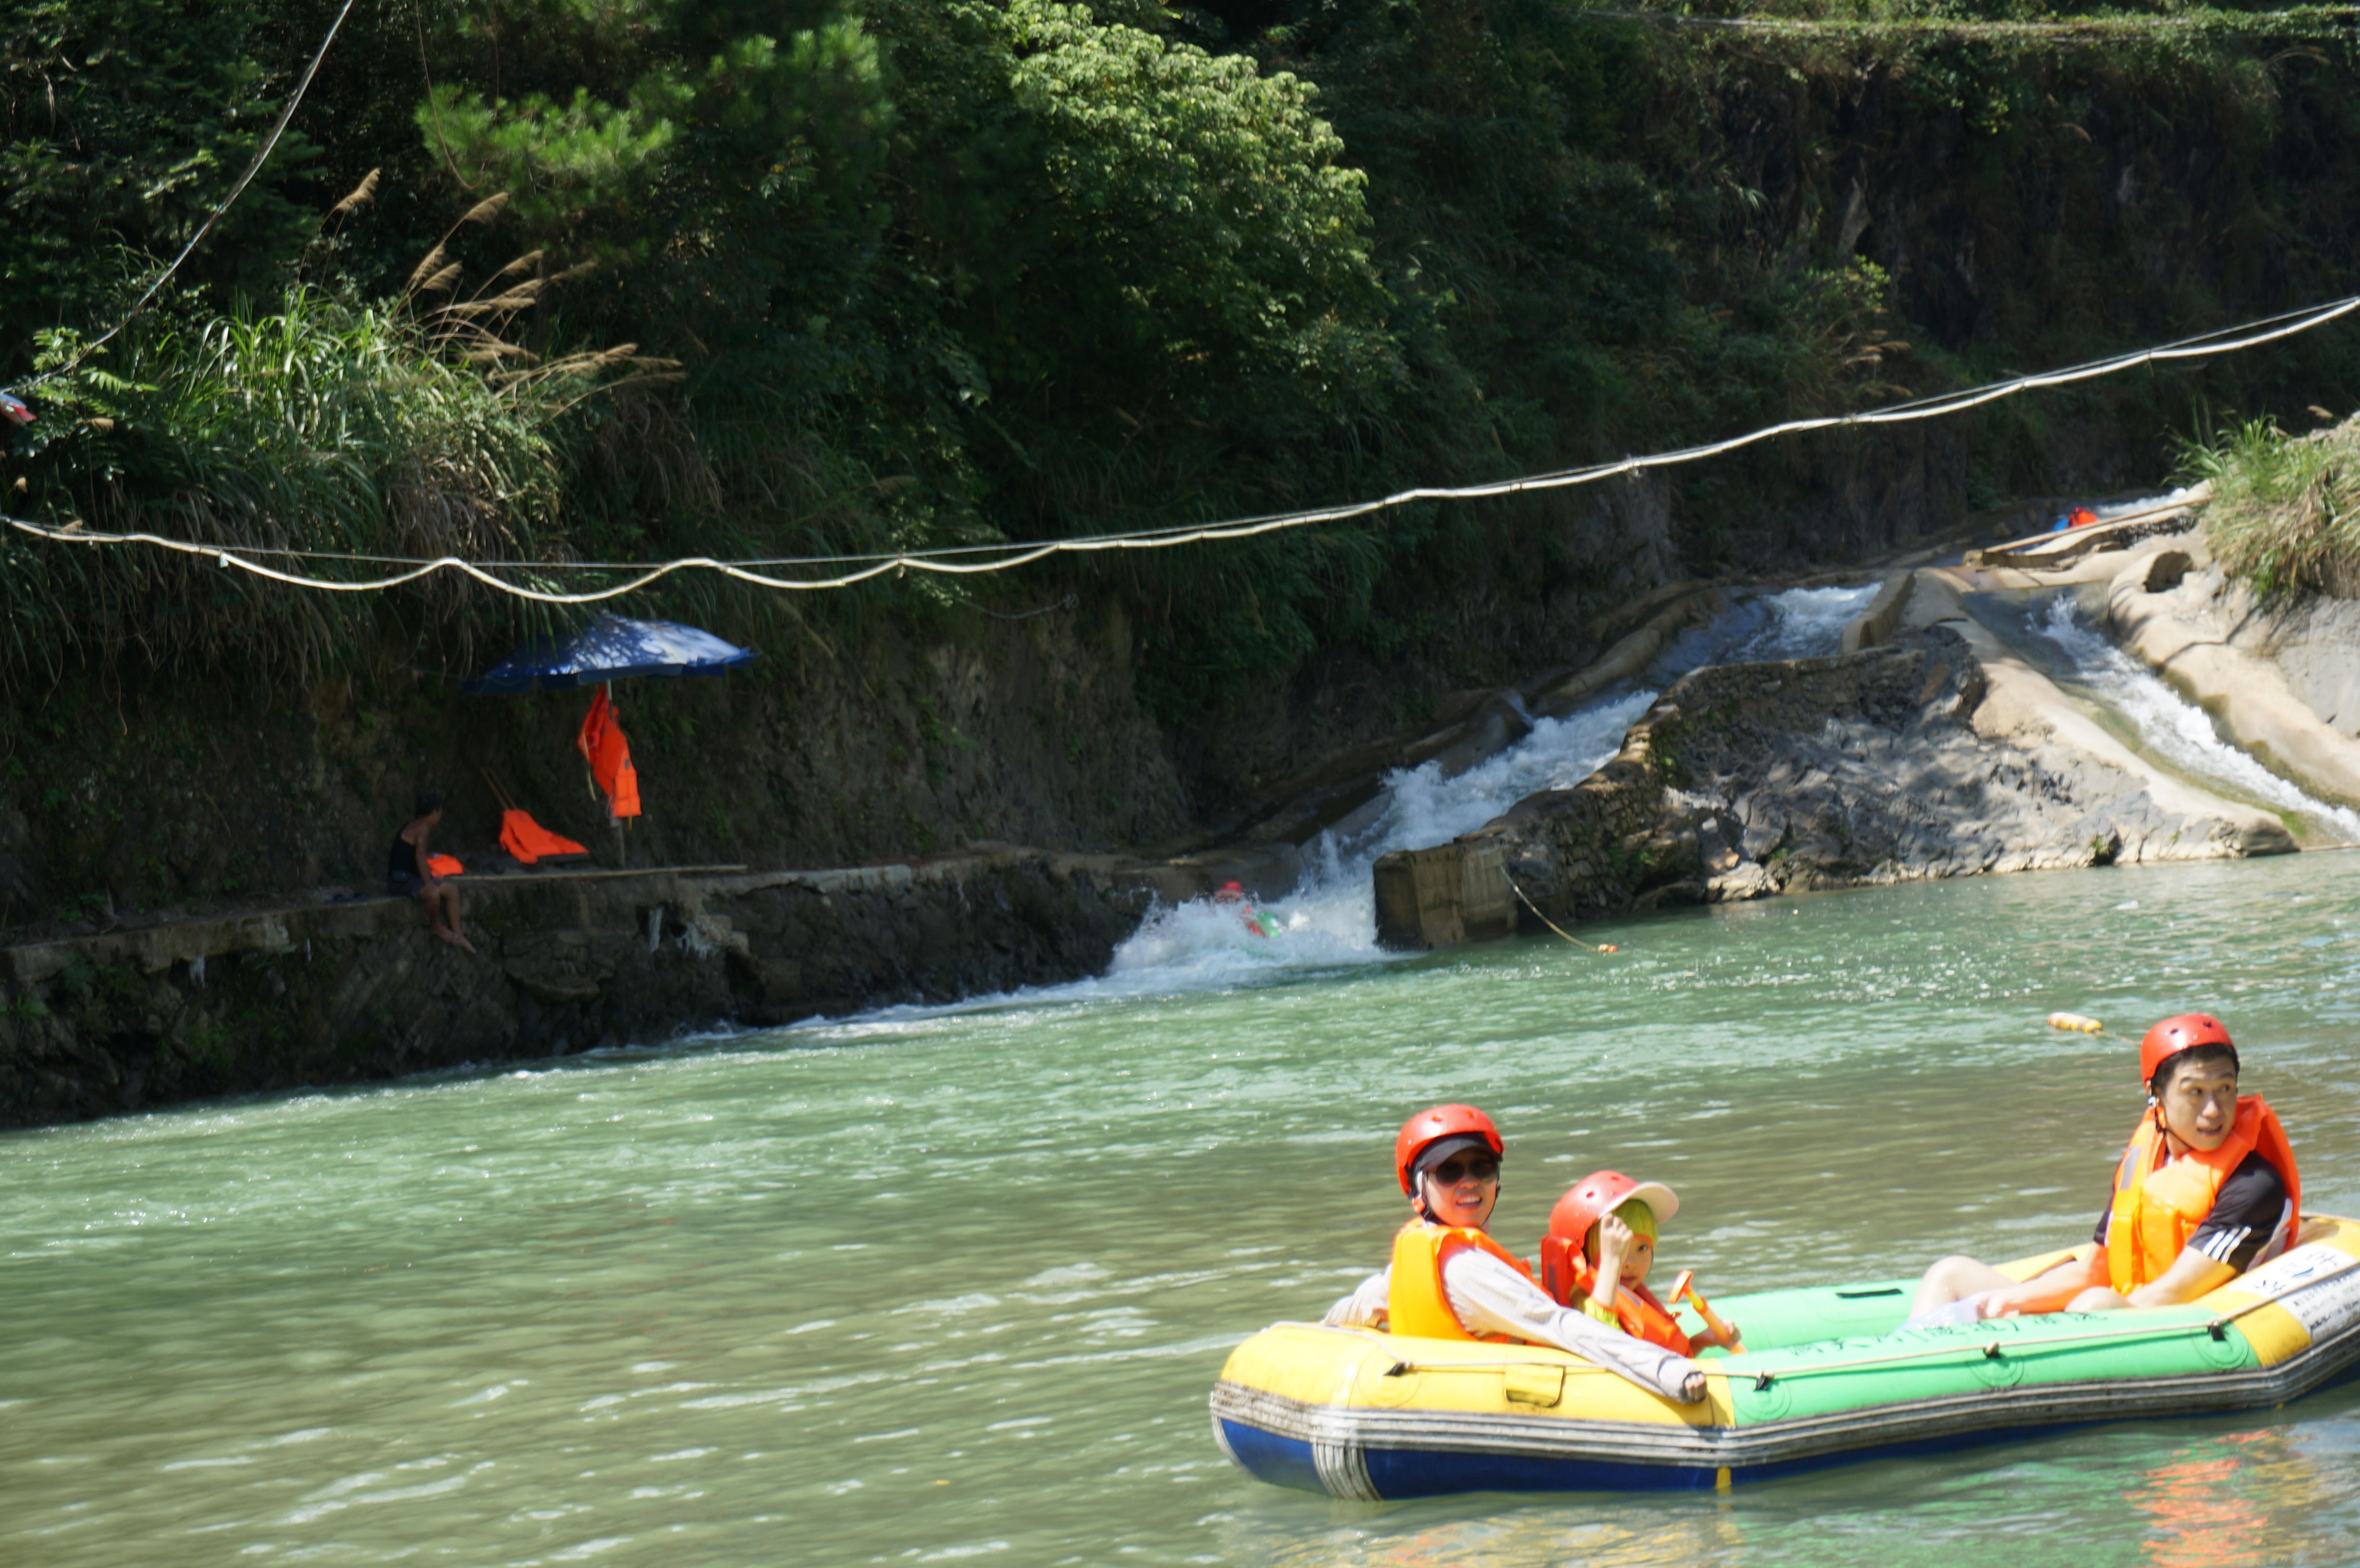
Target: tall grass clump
325, 425
2286, 509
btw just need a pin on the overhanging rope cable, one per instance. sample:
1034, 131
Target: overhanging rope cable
262, 155
2096, 28
955, 561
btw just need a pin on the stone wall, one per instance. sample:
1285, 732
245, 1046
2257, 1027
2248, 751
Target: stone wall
337, 992
178, 795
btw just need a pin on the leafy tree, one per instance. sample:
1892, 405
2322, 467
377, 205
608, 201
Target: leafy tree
121, 123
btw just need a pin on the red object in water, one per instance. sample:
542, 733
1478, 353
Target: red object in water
2081, 516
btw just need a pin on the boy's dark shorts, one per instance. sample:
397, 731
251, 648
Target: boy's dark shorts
404, 885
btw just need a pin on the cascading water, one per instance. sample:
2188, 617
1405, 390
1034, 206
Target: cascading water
1330, 919
2175, 732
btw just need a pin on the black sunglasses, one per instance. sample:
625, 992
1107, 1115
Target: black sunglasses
1450, 1172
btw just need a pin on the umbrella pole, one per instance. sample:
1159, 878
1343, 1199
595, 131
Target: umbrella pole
622, 843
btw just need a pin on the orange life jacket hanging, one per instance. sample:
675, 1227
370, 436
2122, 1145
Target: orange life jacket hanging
603, 747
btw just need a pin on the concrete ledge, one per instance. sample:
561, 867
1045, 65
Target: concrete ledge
1628, 657
2249, 696
1442, 896
1874, 627
331, 993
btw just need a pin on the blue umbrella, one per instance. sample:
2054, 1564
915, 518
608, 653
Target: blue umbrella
609, 649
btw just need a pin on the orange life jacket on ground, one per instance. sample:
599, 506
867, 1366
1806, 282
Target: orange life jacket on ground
1569, 1277
2159, 1202
602, 745
1415, 1300
527, 842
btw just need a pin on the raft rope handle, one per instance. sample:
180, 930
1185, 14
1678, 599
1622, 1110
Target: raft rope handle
2217, 1328
1990, 1350
1535, 908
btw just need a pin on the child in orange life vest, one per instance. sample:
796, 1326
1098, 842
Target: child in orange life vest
1605, 1229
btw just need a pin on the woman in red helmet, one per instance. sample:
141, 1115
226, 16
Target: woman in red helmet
2207, 1188
1450, 1280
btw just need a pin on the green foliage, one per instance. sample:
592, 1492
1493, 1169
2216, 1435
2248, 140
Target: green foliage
326, 426
953, 271
2285, 509
121, 123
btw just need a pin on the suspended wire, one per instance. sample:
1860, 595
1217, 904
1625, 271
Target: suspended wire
957, 559
262, 155
2294, 21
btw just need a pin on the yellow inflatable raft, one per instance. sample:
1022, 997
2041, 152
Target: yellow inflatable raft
1828, 1376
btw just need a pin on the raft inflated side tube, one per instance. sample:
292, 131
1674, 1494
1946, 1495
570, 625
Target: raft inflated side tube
1360, 1414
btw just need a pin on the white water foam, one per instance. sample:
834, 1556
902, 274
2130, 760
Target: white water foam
1330, 920
1800, 623
2177, 732
2110, 510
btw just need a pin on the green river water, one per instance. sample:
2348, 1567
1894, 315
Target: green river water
932, 1287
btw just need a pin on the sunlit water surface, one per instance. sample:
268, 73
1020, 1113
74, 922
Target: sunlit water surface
934, 1286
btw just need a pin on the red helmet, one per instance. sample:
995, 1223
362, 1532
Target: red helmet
1438, 1122
1602, 1192
2172, 1036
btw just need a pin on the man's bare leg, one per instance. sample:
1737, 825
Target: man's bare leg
446, 925
1955, 1278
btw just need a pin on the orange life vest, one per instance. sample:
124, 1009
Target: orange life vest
1416, 1303
1569, 1277
443, 866
2159, 1202
528, 843
602, 745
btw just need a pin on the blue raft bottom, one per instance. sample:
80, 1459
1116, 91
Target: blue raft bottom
1398, 1474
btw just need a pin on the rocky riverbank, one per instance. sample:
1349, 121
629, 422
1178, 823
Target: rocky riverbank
1936, 754
1932, 749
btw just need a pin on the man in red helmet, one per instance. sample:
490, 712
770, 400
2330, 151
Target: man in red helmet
1450, 1280
2207, 1188
1232, 895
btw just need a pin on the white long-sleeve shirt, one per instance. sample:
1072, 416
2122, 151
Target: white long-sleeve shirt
1491, 1298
